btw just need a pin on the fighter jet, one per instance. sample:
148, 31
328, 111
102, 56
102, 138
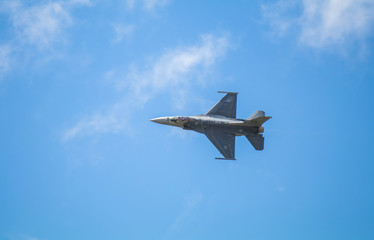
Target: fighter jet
221, 126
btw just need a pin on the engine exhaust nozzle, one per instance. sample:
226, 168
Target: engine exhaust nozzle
260, 129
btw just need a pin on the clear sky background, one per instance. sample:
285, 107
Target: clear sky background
79, 80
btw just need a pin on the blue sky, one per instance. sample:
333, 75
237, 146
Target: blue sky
79, 80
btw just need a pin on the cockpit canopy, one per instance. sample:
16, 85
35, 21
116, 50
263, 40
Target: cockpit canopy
178, 119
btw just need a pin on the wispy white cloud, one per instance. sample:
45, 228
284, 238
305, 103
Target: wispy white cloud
5, 52
150, 4
177, 68
37, 28
336, 21
174, 72
21, 236
122, 31
42, 24
113, 120
274, 179
277, 15
146, 4
323, 23
191, 203
79, 2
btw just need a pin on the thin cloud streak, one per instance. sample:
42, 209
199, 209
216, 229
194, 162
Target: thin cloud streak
146, 4
5, 52
191, 203
122, 31
174, 72
21, 236
333, 22
44, 24
322, 23
175, 69
278, 17
37, 28
98, 123
273, 178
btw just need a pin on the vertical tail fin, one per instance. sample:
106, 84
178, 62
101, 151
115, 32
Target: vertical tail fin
256, 114
257, 141
257, 118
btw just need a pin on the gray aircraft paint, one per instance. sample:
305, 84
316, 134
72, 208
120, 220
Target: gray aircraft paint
221, 126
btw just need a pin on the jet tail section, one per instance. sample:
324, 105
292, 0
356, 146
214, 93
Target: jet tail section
257, 118
257, 141
257, 114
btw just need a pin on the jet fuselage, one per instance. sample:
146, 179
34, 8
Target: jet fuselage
204, 123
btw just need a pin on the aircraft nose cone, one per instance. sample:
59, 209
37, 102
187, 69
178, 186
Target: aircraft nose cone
154, 120
160, 120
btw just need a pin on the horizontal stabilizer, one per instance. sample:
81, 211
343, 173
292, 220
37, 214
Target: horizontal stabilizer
257, 141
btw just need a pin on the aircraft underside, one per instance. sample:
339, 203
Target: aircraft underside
221, 126
234, 130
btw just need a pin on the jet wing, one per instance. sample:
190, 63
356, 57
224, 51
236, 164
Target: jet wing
226, 106
225, 143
